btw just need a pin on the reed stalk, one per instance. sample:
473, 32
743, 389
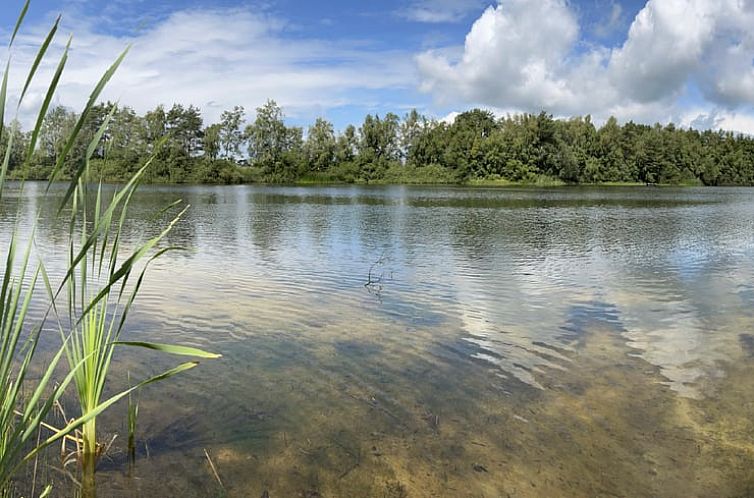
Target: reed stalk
99, 287
23, 403
133, 415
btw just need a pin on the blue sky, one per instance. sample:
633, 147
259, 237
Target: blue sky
688, 61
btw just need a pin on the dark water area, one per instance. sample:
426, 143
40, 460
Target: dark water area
513, 342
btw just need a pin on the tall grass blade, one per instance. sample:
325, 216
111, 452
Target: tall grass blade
38, 59
133, 415
128, 265
19, 22
3, 97
46, 103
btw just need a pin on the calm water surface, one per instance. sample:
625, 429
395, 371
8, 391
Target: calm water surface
565, 342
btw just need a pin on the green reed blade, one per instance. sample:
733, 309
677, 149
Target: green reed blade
80, 123
3, 97
19, 22
128, 265
46, 103
171, 349
40, 56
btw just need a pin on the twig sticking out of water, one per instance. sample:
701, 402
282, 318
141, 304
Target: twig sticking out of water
374, 283
371, 279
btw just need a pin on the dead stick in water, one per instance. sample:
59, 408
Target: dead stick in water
214, 470
348, 470
36, 463
52, 429
356, 457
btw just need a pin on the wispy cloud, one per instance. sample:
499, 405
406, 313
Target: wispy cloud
612, 22
214, 59
440, 11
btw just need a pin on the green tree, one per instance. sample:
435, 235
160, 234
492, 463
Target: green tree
211, 141
612, 161
185, 127
155, 128
267, 136
378, 145
429, 145
56, 128
18, 148
321, 145
274, 147
465, 140
412, 126
346, 145
231, 135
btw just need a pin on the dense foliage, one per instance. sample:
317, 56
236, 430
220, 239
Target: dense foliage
476, 147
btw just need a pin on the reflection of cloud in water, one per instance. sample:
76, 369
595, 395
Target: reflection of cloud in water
675, 345
517, 322
686, 322
673, 337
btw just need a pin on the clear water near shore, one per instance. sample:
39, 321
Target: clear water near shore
517, 342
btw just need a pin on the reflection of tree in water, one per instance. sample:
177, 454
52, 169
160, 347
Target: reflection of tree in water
374, 224
319, 220
267, 223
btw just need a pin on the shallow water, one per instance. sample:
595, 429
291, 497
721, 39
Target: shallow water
563, 342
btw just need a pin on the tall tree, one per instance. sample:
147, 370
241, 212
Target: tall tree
320, 145
267, 135
411, 128
378, 145
18, 145
231, 135
211, 141
272, 146
56, 127
185, 127
346, 146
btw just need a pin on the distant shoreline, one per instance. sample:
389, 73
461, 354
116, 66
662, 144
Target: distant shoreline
500, 184
477, 149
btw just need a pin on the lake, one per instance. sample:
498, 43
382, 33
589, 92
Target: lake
437, 342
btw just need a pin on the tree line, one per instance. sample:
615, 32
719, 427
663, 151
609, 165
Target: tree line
476, 146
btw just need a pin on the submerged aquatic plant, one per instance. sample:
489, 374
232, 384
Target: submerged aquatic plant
99, 296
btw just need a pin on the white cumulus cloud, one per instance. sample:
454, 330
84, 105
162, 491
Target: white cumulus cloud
531, 55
